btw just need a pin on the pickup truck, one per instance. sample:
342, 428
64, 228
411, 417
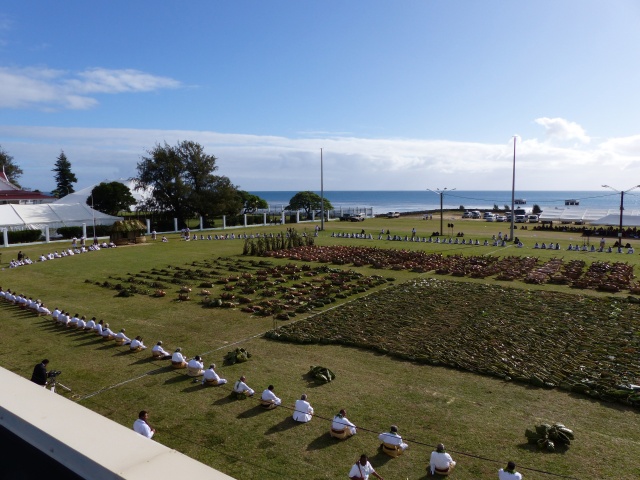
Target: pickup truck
393, 215
358, 217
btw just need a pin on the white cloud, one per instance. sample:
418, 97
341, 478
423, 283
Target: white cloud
45, 88
561, 129
278, 163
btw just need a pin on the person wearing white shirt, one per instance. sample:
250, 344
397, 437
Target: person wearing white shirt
241, 387
73, 322
441, 462
107, 333
362, 469
55, 314
137, 345
158, 352
43, 310
178, 360
509, 473
195, 367
121, 338
98, 328
303, 411
269, 396
82, 323
341, 422
64, 318
142, 427
392, 438
210, 377
91, 324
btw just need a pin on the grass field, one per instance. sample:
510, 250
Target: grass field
474, 414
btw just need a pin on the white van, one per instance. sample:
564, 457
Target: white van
520, 219
533, 218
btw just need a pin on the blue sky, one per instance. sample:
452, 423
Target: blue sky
400, 95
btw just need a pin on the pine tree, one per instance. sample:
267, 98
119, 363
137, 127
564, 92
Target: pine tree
65, 178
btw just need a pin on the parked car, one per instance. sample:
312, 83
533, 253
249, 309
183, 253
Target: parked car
533, 218
476, 214
393, 214
501, 218
487, 214
490, 218
358, 217
466, 215
520, 219
346, 217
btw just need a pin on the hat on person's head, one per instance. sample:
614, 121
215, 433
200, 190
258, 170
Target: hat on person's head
159, 342
394, 428
213, 366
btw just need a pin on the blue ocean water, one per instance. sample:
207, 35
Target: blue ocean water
416, 201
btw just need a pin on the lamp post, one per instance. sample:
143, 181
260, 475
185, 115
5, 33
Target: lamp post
513, 188
441, 193
321, 194
621, 192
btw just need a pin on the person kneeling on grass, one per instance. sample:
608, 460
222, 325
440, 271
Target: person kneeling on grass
441, 462
136, 344
210, 377
121, 338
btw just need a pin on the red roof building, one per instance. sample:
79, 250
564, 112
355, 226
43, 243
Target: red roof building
9, 193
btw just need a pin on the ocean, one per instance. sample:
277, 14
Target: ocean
416, 201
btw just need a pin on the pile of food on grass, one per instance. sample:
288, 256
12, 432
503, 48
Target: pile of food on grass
546, 339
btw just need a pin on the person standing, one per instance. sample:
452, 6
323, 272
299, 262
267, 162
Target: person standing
141, 425
39, 375
509, 473
362, 469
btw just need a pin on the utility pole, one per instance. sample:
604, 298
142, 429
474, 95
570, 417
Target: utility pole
437, 191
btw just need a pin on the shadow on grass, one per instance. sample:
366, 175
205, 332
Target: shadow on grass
161, 370
144, 360
530, 447
253, 412
178, 378
286, 424
93, 341
195, 387
108, 346
231, 398
311, 382
323, 441
379, 459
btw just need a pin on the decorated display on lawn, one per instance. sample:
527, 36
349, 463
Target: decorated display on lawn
239, 355
321, 375
550, 437
546, 339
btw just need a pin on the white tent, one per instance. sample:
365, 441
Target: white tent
81, 196
614, 220
585, 215
52, 215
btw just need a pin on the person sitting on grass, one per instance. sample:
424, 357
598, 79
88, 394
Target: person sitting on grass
107, 333
441, 462
392, 438
269, 397
509, 473
91, 324
303, 411
136, 344
98, 328
121, 338
241, 387
158, 352
195, 367
210, 377
178, 360
81, 323
362, 469
341, 423
142, 427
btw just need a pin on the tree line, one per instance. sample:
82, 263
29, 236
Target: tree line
177, 179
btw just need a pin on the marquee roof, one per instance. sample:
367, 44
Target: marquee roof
52, 215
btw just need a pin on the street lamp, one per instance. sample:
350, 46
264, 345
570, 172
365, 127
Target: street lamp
441, 193
513, 188
321, 194
621, 192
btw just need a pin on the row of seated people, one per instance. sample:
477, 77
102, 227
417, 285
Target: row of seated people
593, 249
25, 260
341, 426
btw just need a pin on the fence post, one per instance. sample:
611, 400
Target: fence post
264, 219
224, 222
5, 236
282, 218
175, 224
201, 224
245, 220
47, 239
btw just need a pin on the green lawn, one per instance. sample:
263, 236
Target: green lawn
479, 415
